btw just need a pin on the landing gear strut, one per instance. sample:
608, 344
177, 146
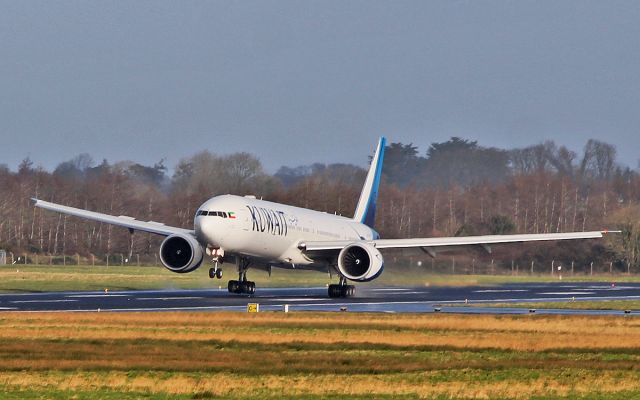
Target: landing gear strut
242, 285
217, 255
342, 289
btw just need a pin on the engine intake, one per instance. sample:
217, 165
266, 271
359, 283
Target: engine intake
181, 253
360, 262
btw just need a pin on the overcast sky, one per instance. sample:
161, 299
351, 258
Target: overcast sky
296, 82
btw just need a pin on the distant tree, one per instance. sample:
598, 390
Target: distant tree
598, 161
290, 176
76, 168
402, 163
462, 162
25, 166
532, 159
628, 221
500, 225
239, 170
154, 176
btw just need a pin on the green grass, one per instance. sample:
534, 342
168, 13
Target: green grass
620, 305
29, 278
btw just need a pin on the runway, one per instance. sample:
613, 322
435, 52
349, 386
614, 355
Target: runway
369, 299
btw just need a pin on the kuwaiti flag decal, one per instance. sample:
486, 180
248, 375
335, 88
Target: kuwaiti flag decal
231, 214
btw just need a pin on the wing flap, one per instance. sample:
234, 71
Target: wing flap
124, 221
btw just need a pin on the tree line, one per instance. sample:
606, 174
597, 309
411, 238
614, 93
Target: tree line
454, 188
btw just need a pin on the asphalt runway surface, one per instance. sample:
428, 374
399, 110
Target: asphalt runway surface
368, 299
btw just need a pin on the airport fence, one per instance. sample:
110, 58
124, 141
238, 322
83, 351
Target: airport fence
106, 260
440, 265
476, 266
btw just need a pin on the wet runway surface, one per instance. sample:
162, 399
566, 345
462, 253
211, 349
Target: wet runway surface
368, 299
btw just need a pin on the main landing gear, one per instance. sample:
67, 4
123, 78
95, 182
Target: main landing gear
342, 289
242, 285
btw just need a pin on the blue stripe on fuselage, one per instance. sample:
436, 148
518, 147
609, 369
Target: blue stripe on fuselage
370, 214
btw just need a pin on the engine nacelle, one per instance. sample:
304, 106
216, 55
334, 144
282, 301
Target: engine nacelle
360, 262
181, 253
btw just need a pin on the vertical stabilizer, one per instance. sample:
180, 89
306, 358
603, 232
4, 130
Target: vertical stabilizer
366, 209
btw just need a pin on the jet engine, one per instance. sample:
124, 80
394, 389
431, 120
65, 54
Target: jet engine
181, 253
360, 262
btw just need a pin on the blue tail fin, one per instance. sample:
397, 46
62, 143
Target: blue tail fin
366, 209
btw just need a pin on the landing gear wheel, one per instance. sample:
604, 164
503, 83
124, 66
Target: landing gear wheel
341, 291
219, 273
212, 273
234, 287
246, 287
350, 291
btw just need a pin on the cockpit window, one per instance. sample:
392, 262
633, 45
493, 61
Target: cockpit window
222, 214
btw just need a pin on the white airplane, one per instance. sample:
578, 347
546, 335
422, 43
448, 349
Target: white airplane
260, 234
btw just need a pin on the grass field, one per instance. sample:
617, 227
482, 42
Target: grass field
56, 278
620, 305
314, 356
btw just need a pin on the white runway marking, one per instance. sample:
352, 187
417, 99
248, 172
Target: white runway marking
169, 298
132, 309
500, 290
97, 295
567, 293
390, 289
43, 301
302, 299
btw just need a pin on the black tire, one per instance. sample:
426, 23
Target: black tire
233, 287
252, 287
219, 273
335, 291
212, 273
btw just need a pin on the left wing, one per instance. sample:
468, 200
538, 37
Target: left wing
428, 244
124, 221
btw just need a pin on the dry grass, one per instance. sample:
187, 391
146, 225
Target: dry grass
225, 384
272, 354
530, 333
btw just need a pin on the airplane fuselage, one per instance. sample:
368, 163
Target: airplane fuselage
270, 231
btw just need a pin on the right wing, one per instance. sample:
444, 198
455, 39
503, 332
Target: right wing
447, 243
124, 221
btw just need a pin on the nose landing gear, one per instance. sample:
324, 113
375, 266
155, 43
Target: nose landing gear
215, 272
218, 255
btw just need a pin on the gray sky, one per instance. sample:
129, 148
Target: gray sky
296, 82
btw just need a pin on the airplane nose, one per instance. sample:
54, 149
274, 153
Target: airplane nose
205, 229
199, 226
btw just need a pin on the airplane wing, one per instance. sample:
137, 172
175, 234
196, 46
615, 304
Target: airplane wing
124, 221
431, 244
